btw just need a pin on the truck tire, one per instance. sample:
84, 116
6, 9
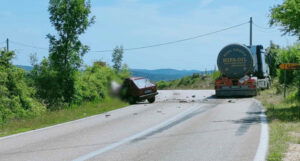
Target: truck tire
151, 100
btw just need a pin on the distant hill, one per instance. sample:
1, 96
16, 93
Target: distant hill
154, 75
164, 74
25, 67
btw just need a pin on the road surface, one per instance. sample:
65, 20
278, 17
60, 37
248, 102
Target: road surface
182, 125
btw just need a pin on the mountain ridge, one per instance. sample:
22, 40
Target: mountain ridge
165, 74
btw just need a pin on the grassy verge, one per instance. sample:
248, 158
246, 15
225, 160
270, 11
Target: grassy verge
60, 116
284, 123
195, 81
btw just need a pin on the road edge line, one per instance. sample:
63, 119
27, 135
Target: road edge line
262, 150
58, 125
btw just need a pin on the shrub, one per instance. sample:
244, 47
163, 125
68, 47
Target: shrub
290, 55
17, 98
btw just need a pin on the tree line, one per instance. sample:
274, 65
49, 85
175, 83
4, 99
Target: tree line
287, 16
58, 81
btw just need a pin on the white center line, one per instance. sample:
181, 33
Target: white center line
139, 135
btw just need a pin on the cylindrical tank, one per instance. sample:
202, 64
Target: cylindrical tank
235, 61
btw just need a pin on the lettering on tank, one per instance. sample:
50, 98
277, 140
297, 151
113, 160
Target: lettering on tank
235, 58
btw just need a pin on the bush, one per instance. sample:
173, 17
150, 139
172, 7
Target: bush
93, 83
163, 84
290, 55
17, 98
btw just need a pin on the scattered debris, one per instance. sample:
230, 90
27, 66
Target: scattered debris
231, 101
193, 100
193, 96
182, 101
158, 111
178, 107
186, 97
135, 113
107, 115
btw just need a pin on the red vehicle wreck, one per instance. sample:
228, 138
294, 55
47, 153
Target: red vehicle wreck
137, 89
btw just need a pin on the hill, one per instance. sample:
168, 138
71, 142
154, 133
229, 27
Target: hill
164, 74
154, 75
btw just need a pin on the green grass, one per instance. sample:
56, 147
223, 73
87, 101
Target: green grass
60, 116
195, 81
284, 120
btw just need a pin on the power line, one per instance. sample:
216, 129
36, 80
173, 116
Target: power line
26, 45
177, 41
265, 28
144, 47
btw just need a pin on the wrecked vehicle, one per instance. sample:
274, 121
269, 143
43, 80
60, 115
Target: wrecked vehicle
137, 89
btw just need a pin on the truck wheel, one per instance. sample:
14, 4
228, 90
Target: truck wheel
151, 100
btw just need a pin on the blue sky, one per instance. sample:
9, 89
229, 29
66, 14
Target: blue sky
135, 23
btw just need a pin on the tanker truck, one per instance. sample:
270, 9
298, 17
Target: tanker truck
244, 71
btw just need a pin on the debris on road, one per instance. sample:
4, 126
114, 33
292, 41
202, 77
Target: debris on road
107, 115
182, 101
193, 96
231, 101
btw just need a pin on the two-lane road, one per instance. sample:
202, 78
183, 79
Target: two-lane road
183, 125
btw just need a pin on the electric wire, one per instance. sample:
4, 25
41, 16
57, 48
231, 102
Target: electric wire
265, 28
142, 47
26, 45
177, 41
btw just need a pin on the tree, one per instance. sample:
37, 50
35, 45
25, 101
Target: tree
70, 18
287, 15
272, 58
117, 57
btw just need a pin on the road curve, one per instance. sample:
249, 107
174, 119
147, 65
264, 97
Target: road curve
183, 125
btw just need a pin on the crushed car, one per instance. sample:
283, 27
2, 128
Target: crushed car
136, 89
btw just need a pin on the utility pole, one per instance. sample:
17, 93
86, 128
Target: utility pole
251, 22
7, 44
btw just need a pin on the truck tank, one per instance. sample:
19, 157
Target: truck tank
235, 61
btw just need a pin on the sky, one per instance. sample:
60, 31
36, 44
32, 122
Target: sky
136, 23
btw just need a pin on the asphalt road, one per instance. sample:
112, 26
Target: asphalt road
180, 126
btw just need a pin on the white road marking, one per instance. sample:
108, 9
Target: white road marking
58, 125
140, 134
262, 150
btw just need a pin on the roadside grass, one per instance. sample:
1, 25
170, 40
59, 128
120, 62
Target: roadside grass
60, 116
195, 81
284, 122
